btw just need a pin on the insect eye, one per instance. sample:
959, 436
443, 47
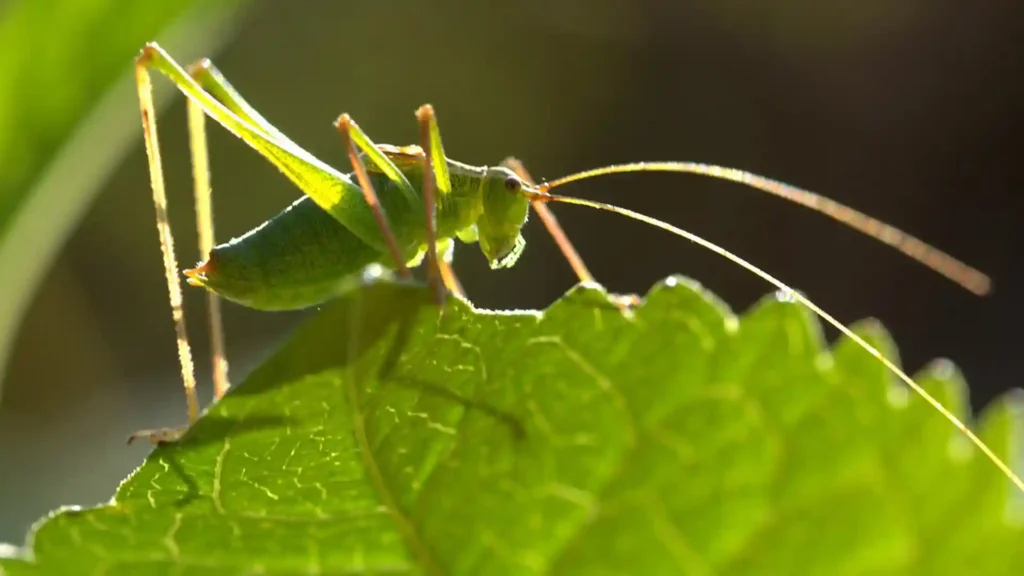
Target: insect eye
512, 184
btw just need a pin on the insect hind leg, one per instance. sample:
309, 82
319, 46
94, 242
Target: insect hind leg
204, 226
148, 112
216, 85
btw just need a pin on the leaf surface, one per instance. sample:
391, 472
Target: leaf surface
388, 437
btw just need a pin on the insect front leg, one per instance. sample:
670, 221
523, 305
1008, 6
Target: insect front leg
551, 223
560, 237
451, 281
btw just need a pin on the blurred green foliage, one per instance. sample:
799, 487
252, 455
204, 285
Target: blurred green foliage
58, 60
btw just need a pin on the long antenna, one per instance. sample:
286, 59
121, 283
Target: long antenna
543, 196
932, 257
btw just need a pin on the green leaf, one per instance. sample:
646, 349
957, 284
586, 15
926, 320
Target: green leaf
386, 437
68, 113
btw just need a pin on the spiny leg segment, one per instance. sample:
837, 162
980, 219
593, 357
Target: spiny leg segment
145, 90
204, 225
215, 98
214, 83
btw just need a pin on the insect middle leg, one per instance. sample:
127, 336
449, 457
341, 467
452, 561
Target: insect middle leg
346, 127
436, 180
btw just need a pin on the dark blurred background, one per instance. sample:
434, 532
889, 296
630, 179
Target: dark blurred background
907, 110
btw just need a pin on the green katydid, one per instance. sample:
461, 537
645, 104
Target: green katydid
401, 205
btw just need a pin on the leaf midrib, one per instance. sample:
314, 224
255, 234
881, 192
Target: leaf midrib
415, 543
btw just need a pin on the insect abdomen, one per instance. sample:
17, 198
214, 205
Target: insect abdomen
299, 258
